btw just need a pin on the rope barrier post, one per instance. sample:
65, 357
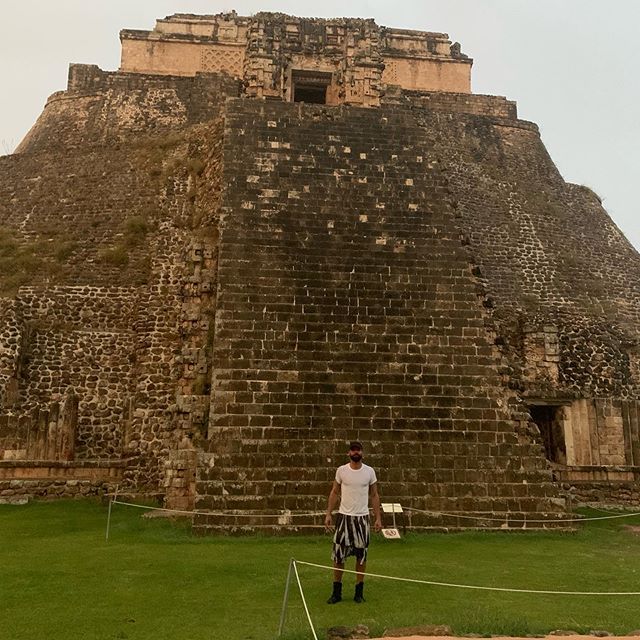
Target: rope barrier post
285, 600
304, 601
115, 495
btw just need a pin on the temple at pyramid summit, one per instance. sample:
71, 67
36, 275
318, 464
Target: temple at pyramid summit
263, 237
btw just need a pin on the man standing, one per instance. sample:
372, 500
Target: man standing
355, 483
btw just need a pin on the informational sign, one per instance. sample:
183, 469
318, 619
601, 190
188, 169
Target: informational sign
393, 508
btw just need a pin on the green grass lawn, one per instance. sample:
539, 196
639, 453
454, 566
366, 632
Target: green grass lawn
60, 579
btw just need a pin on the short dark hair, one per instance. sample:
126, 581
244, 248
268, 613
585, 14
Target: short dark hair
355, 444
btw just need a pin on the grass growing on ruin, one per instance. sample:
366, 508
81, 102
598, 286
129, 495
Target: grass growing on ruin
22, 260
60, 579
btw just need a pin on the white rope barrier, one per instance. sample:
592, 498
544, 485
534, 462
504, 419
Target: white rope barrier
288, 514
477, 587
524, 520
304, 602
226, 514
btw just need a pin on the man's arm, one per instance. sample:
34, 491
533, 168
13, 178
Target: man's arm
332, 503
374, 497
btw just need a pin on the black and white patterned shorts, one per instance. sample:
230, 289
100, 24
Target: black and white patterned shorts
351, 538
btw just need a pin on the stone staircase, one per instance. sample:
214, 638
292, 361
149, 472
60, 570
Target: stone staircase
347, 308
285, 488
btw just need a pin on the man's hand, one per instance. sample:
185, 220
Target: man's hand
374, 496
334, 499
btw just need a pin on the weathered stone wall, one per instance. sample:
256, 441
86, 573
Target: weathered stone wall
180, 56
111, 333
517, 211
609, 492
23, 480
451, 102
549, 254
104, 107
198, 296
185, 44
567, 313
47, 432
81, 340
600, 432
427, 74
11, 337
347, 308
61, 214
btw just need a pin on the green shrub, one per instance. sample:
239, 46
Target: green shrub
8, 244
9, 284
116, 256
195, 166
137, 225
135, 230
63, 252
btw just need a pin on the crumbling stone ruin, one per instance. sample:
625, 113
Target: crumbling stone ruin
264, 236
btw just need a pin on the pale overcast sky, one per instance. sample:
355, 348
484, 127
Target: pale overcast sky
569, 64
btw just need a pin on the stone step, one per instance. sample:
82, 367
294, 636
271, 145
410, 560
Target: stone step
505, 459
436, 486
209, 477
337, 438
540, 500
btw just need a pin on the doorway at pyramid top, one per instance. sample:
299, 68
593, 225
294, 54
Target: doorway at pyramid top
312, 86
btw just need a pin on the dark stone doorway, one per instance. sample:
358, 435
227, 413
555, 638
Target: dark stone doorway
548, 419
309, 93
310, 86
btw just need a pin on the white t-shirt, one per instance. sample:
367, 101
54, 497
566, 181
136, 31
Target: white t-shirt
354, 484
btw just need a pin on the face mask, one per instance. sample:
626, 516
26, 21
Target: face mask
356, 457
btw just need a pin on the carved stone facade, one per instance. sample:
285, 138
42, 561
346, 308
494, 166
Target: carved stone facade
205, 281
340, 61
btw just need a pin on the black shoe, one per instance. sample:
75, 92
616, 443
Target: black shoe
336, 596
359, 597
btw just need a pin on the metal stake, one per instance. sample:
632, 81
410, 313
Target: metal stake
285, 601
115, 495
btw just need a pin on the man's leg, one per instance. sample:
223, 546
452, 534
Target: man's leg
361, 567
338, 556
336, 594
